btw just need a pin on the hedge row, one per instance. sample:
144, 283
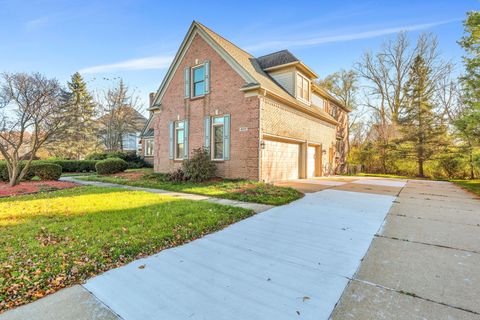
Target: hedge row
43, 170
74, 165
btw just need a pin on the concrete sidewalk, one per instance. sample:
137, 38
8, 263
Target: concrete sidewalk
425, 262
256, 207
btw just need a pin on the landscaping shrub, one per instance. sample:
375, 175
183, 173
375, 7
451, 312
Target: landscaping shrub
111, 165
96, 156
134, 161
75, 165
46, 171
4, 171
177, 175
199, 167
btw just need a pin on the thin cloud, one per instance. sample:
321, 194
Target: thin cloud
155, 62
34, 24
344, 37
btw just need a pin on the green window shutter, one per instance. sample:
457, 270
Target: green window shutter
171, 133
185, 139
207, 76
186, 76
226, 137
207, 133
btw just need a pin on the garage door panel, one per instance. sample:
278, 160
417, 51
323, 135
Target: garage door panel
280, 161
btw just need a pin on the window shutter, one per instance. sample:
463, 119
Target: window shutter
207, 133
185, 139
186, 77
171, 133
207, 76
226, 137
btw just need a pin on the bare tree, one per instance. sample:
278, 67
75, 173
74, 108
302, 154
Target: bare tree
386, 73
119, 115
32, 110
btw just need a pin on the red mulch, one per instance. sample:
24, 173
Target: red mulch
28, 187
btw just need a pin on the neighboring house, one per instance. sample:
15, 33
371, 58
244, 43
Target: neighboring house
130, 122
260, 118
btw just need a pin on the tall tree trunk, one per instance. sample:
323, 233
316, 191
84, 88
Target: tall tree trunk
470, 160
420, 168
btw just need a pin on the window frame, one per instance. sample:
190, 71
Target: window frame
300, 92
212, 137
192, 80
147, 141
176, 128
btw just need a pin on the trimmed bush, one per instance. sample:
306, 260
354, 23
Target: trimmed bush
199, 167
134, 161
46, 171
111, 165
75, 165
4, 171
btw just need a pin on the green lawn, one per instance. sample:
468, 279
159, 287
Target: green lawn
470, 185
52, 240
242, 190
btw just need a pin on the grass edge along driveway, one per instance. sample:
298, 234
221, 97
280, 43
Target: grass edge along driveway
49, 241
241, 190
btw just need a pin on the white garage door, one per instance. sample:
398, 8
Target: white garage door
280, 161
311, 162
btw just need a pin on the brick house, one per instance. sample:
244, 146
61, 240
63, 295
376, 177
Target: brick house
260, 118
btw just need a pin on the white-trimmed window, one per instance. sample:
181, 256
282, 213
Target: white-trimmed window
303, 88
179, 139
198, 80
217, 147
148, 148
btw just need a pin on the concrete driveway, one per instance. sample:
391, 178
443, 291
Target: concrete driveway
290, 262
304, 261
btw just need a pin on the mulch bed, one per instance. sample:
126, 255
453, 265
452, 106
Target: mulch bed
29, 187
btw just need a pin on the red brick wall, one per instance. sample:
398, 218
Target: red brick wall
224, 98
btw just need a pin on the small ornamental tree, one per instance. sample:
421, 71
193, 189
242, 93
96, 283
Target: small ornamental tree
33, 113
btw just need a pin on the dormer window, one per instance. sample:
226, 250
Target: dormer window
303, 88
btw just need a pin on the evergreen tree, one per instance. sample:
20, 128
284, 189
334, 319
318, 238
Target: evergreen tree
468, 123
421, 128
81, 137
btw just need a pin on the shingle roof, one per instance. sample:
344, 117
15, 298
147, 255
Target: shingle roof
252, 66
276, 59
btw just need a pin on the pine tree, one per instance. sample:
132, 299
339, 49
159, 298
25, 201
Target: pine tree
81, 137
421, 128
468, 123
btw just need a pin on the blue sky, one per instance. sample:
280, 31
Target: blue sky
136, 40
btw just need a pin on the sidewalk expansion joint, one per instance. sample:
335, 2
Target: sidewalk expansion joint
427, 244
411, 294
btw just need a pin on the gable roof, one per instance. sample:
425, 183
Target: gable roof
246, 65
276, 59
